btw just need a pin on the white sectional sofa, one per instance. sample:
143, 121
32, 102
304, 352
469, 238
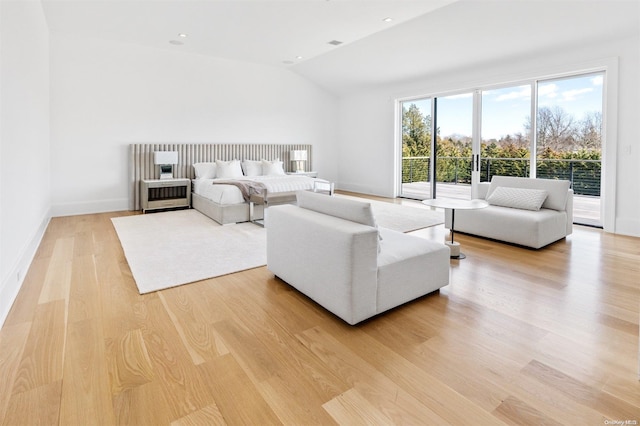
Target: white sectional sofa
331, 250
523, 211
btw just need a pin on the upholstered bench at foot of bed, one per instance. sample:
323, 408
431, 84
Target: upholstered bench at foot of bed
273, 199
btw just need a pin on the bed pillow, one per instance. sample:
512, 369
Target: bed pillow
228, 169
205, 170
272, 168
252, 168
517, 198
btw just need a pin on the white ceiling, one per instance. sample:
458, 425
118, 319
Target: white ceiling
472, 33
261, 31
426, 37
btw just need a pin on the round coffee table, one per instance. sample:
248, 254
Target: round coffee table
453, 204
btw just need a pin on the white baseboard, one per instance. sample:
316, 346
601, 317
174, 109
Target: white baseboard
101, 206
361, 189
13, 281
628, 226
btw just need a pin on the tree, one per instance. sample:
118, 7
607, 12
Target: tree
416, 142
589, 131
555, 129
416, 132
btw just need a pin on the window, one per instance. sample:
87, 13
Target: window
569, 139
445, 151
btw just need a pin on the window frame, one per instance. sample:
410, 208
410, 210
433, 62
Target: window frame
607, 66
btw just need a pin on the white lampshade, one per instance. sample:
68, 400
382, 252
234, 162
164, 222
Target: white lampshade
165, 157
298, 155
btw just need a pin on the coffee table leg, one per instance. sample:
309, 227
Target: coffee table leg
453, 221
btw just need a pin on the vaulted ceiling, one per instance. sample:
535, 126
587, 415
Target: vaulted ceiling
263, 31
422, 37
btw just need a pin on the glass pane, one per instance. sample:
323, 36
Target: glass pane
506, 124
416, 148
454, 146
569, 139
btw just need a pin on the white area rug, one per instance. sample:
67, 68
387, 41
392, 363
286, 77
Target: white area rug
172, 248
178, 247
400, 217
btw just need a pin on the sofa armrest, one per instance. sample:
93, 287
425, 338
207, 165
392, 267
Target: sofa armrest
569, 210
331, 260
483, 189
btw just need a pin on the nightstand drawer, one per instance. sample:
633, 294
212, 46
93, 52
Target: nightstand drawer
161, 204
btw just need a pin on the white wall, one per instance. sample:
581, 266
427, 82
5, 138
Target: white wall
106, 95
24, 141
367, 128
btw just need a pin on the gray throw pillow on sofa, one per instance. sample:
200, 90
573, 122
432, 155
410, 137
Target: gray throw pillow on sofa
517, 198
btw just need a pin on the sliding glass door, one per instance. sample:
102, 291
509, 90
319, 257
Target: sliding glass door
449, 143
417, 130
569, 139
454, 146
506, 132
437, 166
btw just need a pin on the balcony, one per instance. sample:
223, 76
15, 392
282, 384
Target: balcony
454, 179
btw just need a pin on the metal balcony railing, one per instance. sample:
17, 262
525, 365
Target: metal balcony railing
584, 175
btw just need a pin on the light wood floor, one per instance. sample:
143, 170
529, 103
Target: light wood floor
518, 337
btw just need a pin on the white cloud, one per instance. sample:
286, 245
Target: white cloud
548, 90
597, 80
571, 95
524, 93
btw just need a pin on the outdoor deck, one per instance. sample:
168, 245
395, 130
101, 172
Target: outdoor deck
586, 210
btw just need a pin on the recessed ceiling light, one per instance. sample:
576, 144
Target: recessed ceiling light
387, 19
176, 42
183, 35
298, 57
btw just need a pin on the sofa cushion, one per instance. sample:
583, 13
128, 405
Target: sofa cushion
355, 211
557, 190
409, 267
517, 198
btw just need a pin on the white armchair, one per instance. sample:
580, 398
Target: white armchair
330, 249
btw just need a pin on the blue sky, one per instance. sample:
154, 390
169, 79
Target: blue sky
506, 110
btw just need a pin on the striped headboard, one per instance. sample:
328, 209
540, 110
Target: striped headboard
142, 167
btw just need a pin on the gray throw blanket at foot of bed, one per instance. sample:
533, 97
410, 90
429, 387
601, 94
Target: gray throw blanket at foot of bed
246, 187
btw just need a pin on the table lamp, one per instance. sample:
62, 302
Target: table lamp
166, 160
299, 156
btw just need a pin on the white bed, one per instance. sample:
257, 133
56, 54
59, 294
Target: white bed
223, 204
226, 204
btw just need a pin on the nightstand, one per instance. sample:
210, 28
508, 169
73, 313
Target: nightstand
158, 194
310, 174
